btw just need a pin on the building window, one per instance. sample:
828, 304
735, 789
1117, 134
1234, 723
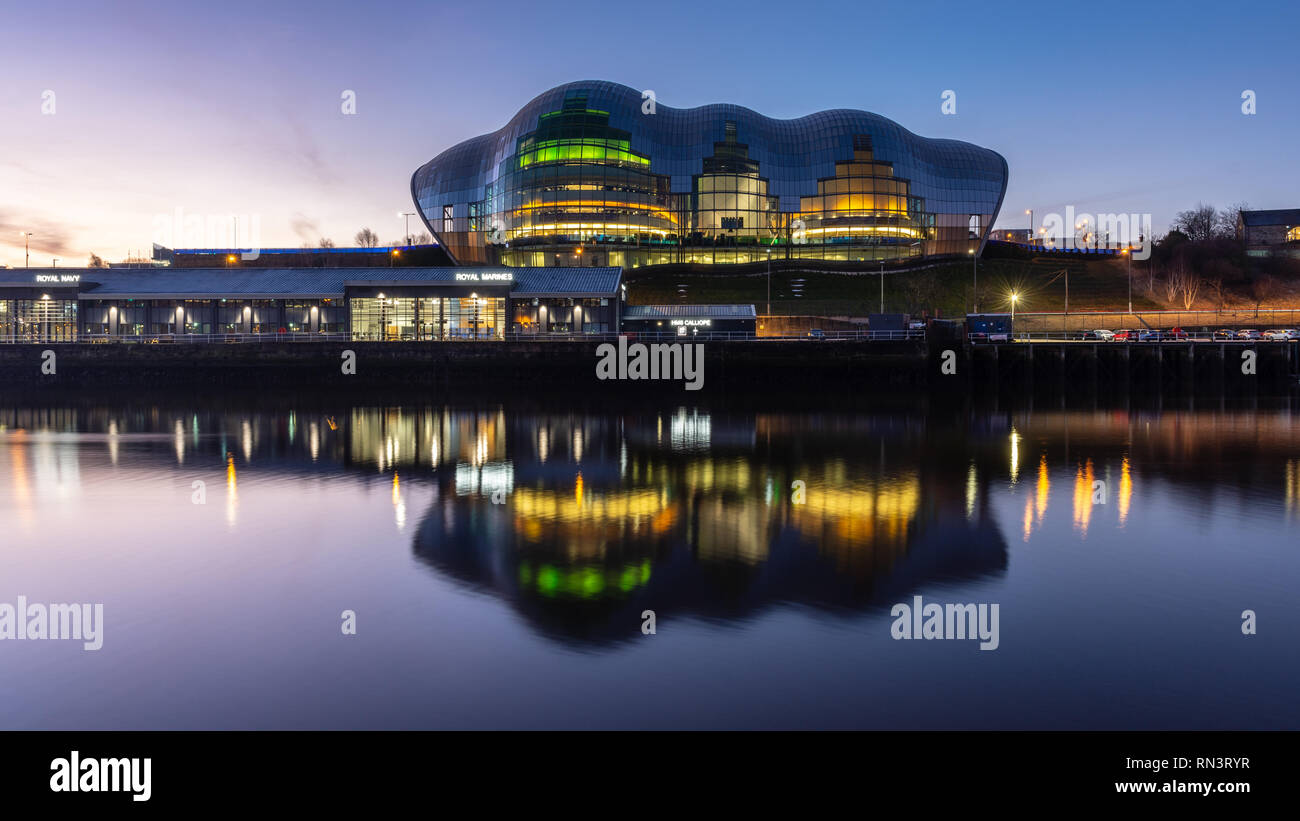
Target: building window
1293, 235
446, 219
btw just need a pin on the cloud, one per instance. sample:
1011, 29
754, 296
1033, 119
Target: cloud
48, 237
308, 230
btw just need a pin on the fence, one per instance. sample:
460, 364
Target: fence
244, 339
1035, 321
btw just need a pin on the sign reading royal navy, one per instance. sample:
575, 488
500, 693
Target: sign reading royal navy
485, 276
58, 278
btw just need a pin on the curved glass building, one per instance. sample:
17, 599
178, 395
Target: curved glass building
592, 173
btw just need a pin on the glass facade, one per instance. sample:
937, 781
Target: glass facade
38, 320
592, 174
153, 317
421, 319
166, 304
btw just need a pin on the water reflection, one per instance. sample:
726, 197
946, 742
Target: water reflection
581, 520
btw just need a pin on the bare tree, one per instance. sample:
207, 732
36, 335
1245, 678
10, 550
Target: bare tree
96, 262
1189, 287
1198, 224
326, 242
366, 238
1262, 289
1225, 226
422, 238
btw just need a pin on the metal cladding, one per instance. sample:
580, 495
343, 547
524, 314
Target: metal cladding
598, 173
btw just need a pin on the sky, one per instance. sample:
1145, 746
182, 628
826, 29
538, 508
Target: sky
125, 123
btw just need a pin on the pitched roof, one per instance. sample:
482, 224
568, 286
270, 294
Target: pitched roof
1283, 216
306, 283
711, 311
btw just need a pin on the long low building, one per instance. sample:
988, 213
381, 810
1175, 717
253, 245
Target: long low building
690, 320
397, 304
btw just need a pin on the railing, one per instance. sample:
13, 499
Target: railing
632, 336
176, 339
1135, 337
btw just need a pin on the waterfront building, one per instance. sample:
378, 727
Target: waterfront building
364, 304
596, 173
690, 320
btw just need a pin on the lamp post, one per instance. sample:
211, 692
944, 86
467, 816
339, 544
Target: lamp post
1014, 297
1129, 256
975, 282
406, 215
1029, 238
27, 253
882, 286
769, 281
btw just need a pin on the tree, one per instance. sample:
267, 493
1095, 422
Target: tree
1263, 288
96, 262
422, 238
1198, 223
1225, 226
326, 242
366, 238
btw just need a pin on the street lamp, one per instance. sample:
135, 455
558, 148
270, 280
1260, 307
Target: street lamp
406, 215
1127, 252
1030, 236
1014, 297
769, 281
882, 286
27, 254
975, 282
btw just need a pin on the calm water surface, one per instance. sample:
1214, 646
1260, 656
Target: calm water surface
499, 561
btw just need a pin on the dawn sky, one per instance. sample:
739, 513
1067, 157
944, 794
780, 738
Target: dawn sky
212, 110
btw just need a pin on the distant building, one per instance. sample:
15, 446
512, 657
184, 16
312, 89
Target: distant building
1020, 236
1268, 233
396, 256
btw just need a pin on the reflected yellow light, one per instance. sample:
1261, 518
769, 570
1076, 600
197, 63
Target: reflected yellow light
1029, 517
1083, 479
1015, 456
232, 495
972, 487
1043, 489
1125, 489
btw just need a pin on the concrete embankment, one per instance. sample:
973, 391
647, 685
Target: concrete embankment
818, 368
515, 366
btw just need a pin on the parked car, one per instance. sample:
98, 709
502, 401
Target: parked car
1175, 333
1125, 336
1104, 335
916, 325
1292, 333
1150, 336
1225, 333
1249, 333
1275, 335
816, 333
